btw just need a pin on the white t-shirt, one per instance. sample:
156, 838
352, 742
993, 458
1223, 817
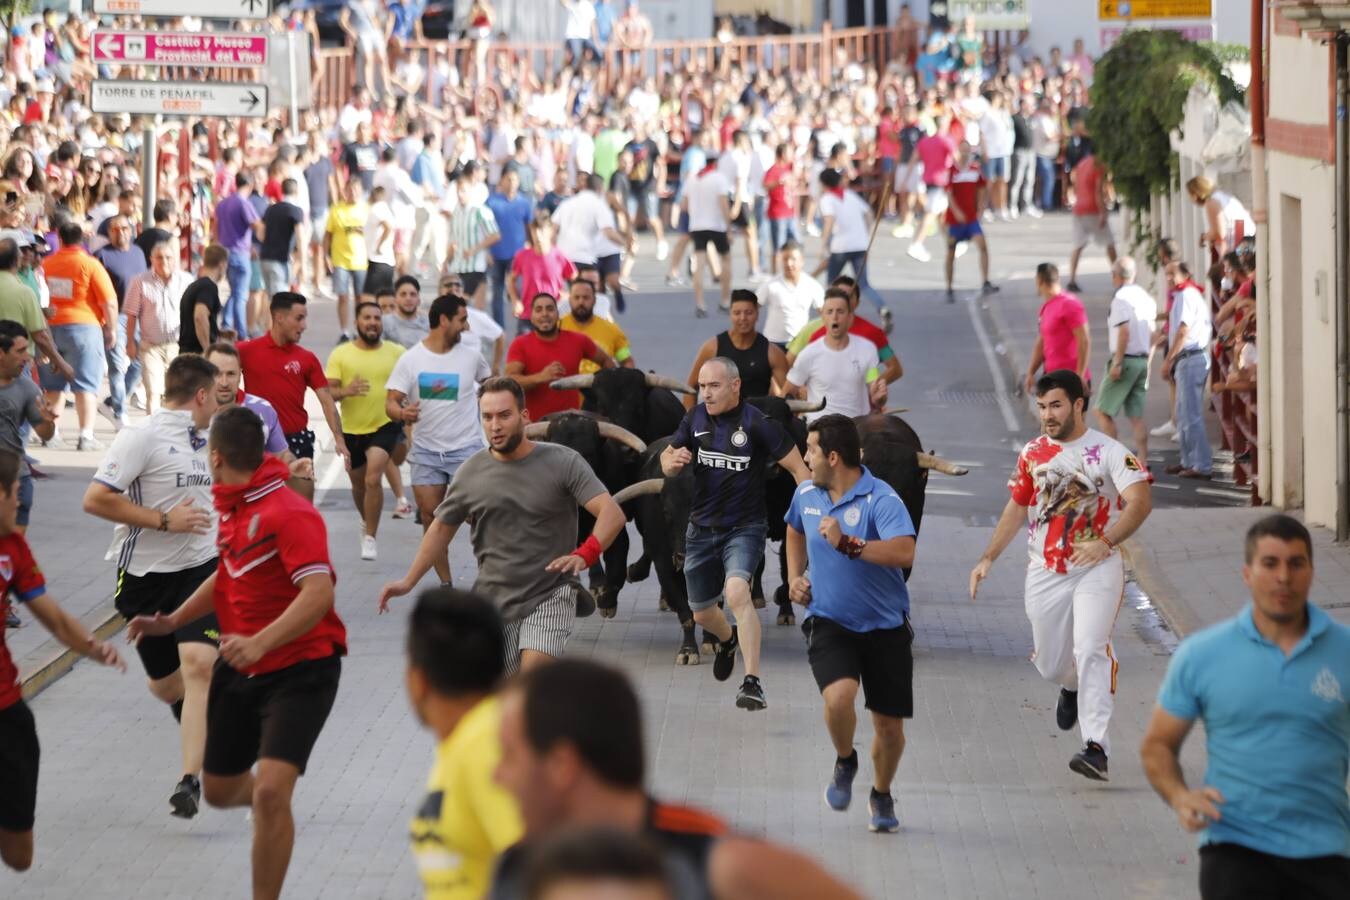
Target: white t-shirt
159, 463
839, 376
603, 307
997, 131
445, 384
1064, 487
400, 193
581, 219
380, 214
787, 308
850, 234
1190, 308
580, 16
705, 193
1136, 306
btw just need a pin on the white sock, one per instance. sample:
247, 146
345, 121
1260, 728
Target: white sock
86, 433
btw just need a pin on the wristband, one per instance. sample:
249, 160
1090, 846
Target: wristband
163, 521
1110, 545
850, 546
589, 551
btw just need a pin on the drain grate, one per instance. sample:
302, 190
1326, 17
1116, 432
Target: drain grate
964, 398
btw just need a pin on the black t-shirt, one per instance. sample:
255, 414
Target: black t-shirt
646, 157
1021, 132
731, 452
279, 224
618, 184
149, 238
361, 159
753, 364
910, 136
317, 174
202, 292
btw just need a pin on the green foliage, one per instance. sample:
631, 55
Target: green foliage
1139, 93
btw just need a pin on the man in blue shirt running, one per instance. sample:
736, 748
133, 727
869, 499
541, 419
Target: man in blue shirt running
856, 534
1271, 686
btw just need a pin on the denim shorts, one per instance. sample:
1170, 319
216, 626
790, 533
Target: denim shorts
711, 556
996, 167
436, 467
82, 347
348, 282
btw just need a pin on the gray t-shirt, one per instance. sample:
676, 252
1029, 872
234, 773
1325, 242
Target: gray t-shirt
523, 516
18, 404
405, 333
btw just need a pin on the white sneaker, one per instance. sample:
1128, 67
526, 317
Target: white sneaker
904, 231
1006, 215
1166, 429
89, 443
403, 510
367, 547
662, 250
1035, 212
106, 411
137, 399
122, 422
961, 249
919, 252
813, 229
1012, 215
988, 215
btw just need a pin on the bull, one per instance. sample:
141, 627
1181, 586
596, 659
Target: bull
641, 402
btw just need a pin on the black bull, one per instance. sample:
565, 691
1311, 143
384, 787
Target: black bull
661, 506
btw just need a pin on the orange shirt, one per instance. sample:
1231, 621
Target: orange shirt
80, 287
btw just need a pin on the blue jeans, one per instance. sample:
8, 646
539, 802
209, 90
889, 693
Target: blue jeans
501, 270
237, 271
713, 556
780, 230
855, 260
124, 373
1191, 373
1045, 178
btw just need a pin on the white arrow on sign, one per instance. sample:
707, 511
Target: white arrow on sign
206, 9
179, 98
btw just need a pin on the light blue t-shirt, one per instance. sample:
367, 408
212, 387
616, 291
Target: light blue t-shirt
858, 595
512, 218
1277, 732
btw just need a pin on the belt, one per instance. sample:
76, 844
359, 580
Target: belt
1194, 351
1136, 356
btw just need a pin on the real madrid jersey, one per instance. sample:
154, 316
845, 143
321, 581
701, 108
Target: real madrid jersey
159, 464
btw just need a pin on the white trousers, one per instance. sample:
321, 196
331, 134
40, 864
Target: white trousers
1072, 617
431, 240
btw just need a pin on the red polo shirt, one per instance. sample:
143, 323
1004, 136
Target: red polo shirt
280, 375
570, 348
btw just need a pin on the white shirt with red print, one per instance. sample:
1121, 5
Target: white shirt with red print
1065, 487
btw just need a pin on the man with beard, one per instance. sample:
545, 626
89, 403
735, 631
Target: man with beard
843, 370
357, 371
582, 319
225, 358
1075, 577
521, 500
546, 354
858, 537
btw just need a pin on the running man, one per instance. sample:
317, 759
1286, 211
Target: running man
857, 536
539, 357
21, 578
705, 198
225, 357
281, 643
1075, 577
154, 484
845, 238
357, 372
762, 366
842, 370
730, 445
519, 497
967, 197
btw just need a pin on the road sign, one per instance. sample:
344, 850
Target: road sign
179, 98
1154, 9
223, 49
206, 9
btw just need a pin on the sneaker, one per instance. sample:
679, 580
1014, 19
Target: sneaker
1008, 215
882, 807
674, 281
961, 249
988, 216
1066, 710
12, 619
662, 251
887, 320
839, 792
106, 411
813, 229
367, 546
751, 694
1073, 287
903, 231
1034, 212
989, 288
186, 797
919, 252
1090, 762
724, 659
89, 443
951, 295
404, 509
1166, 429
56, 443
343, 338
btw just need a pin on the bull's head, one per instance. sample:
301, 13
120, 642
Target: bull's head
583, 434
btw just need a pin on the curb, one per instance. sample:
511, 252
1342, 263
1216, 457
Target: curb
1159, 589
109, 623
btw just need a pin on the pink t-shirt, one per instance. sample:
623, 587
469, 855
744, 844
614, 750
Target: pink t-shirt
541, 274
937, 152
1060, 315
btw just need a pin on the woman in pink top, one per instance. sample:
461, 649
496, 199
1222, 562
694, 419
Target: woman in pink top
1063, 342
541, 267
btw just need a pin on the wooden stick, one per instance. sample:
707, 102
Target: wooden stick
881, 209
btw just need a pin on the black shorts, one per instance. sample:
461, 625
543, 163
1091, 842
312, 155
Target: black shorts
1234, 872
717, 238
742, 219
164, 592
18, 767
385, 437
274, 716
882, 660
301, 444
609, 265
379, 277
472, 281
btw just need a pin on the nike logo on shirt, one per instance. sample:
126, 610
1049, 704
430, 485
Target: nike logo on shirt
701, 433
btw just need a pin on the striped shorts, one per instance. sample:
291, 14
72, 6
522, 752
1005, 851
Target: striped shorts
545, 630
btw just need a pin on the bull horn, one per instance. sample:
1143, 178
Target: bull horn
622, 435
896, 410
929, 461
572, 383
805, 406
537, 431
670, 384
640, 489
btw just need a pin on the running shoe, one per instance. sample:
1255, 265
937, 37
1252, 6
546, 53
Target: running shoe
89, 443
887, 320
903, 231
56, 443
724, 660
1035, 213
751, 694
628, 285
989, 288
1090, 762
839, 792
882, 807
919, 252
662, 251
186, 797
700, 313
367, 546
106, 411
404, 509
1074, 287
1066, 710
1166, 429
987, 216
674, 281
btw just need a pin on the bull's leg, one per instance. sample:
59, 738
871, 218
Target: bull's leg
607, 595
641, 568
677, 596
785, 614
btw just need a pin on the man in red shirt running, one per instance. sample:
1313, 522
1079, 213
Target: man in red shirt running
547, 353
966, 196
934, 153
281, 641
1091, 212
277, 369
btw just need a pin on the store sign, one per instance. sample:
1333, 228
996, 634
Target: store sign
991, 15
220, 49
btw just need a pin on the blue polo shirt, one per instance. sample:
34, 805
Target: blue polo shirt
1277, 732
512, 218
861, 596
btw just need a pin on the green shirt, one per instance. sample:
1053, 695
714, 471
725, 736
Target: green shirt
19, 303
608, 143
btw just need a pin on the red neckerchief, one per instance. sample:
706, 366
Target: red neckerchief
837, 191
709, 167
229, 496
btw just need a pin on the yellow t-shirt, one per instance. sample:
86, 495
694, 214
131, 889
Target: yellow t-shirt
467, 819
347, 225
607, 336
364, 414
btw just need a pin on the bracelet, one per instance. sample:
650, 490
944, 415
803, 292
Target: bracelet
589, 551
1110, 545
850, 546
163, 521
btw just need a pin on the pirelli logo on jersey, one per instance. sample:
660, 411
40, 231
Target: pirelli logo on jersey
714, 460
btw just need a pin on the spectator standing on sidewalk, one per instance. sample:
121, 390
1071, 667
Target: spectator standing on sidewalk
1091, 212
124, 261
1130, 325
780, 185
997, 142
154, 311
1189, 330
1063, 341
1270, 687
200, 306
21, 406
321, 183
345, 247
1045, 141
1023, 187
236, 224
